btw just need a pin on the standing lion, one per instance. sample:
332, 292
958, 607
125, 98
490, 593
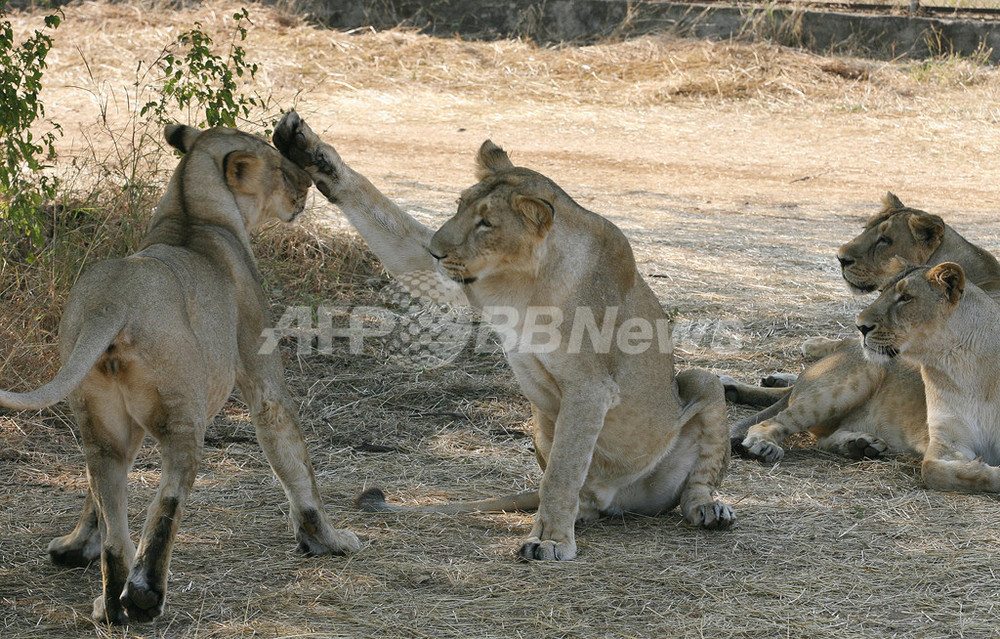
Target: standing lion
152, 344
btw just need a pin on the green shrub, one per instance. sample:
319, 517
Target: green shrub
23, 186
197, 79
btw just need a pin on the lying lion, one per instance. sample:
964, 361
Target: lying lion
614, 430
855, 408
932, 318
153, 343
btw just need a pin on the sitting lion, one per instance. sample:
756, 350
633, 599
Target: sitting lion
614, 429
855, 408
153, 343
931, 318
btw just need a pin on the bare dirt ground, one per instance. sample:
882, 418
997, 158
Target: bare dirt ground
736, 170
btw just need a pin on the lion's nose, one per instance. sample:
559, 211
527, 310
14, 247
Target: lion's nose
436, 256
864, 329
844, 261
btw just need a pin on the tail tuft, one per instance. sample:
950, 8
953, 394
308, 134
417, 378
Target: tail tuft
372, 501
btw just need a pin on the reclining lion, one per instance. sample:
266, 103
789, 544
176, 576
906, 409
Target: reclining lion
854, 407
931, 318
153, 343
614, 429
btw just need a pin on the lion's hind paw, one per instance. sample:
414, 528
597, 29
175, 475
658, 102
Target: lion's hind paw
713, 516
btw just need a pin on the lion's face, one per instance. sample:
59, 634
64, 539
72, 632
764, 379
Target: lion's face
908, 313
265, 185
897, 231
500, 224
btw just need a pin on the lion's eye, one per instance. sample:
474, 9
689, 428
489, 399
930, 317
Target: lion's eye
484, 224
904, 298
883, 240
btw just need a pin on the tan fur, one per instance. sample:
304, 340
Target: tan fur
614, 432
931, 318
153, 343
858, 409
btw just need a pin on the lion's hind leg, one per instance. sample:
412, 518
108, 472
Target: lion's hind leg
704, 440
180, 440
762, 396
110, 443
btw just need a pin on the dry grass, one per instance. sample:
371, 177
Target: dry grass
735, 169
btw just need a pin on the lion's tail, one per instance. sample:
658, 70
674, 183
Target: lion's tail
373, 500
92, 342
738, 431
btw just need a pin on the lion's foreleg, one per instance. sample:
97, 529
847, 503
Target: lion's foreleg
181, 442
945, 468
83, 545
400, 241
764, 440
577, 429
280, 436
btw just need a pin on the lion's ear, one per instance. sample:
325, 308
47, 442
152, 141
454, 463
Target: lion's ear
891, 203
538, 211
491, 159
242, 171
180, 137
927, 228
950, 277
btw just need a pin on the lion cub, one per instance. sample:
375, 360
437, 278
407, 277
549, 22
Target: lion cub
935, 319
153, 343
615, 429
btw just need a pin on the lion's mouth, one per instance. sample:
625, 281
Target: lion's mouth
880, 353
858, 288
457, 273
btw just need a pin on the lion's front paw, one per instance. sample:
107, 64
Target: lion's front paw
75, 552
337, 541
317, 537
292, 137
762, 449
715, 515
865, 446
778, 380
534, 548
298, 143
